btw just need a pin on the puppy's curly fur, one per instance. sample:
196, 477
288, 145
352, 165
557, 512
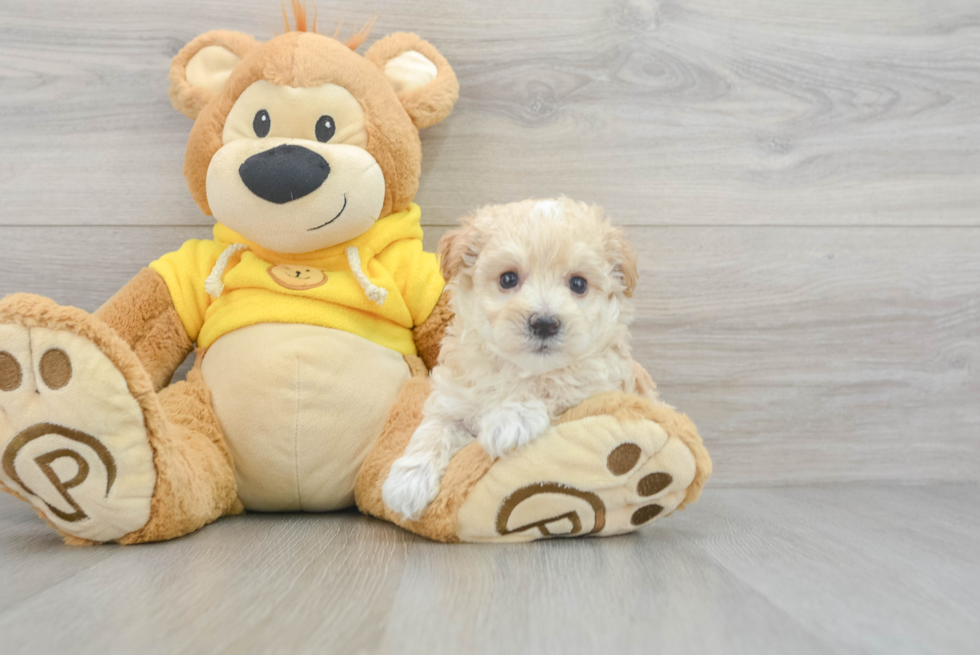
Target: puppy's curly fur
541, 293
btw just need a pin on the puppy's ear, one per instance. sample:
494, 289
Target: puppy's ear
458, 248
621, 254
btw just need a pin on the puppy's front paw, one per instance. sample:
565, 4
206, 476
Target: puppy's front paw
412, 484
507, 427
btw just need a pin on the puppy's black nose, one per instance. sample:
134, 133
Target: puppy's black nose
284, 173
544, 327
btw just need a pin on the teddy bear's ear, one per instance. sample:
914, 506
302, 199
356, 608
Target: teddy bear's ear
421, 77
202, 67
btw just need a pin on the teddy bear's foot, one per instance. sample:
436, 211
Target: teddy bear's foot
602, 474
73, 439
611, 465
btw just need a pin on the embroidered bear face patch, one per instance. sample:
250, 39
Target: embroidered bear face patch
297, 278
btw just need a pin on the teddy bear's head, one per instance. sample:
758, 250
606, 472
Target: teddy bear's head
300, 143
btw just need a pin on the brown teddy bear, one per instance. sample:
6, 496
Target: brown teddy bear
315, 313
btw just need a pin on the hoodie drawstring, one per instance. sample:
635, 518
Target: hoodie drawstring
373, 291
213, 284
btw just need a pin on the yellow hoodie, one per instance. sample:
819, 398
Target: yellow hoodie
378, 285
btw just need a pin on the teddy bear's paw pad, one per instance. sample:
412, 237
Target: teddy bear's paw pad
72, 437
595, 476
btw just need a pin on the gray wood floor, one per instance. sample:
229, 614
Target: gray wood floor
851, 569
802, 179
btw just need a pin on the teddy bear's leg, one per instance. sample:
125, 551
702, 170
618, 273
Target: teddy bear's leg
90, 444
612, 464
195, 470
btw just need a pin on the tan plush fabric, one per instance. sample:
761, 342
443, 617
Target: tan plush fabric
67, 428
300, 406
467, 467
186, 98
427, 104
416, 367
625, 407
143, 314
570, 480
209, 68
577, 454
195, 474
409, 70
194, 481
428, 336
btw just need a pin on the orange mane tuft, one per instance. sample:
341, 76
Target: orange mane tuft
299, 14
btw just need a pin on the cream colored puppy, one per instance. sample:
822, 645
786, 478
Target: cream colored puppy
541, 294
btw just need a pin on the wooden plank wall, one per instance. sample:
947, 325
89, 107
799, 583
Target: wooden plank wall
802, 180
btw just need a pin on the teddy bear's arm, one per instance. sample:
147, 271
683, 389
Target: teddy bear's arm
143, 314
428, 336
423, 289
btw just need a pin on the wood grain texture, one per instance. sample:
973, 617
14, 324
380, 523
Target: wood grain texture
805, 355
847, 569
690, 112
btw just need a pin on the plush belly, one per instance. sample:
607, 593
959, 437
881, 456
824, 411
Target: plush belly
300, 406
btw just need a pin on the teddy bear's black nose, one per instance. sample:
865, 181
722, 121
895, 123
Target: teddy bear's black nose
284, 173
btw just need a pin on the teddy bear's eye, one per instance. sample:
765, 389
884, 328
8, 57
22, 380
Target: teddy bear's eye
325, 128
261, 123
509, 280
578, 284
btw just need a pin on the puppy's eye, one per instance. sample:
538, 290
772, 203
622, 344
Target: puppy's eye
325, 128
261, 123
509, 280
578, 285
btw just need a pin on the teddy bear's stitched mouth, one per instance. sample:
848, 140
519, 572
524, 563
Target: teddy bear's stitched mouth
312, 229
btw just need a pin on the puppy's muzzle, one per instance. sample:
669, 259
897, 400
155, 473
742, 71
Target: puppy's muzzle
544, 327
284, 173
